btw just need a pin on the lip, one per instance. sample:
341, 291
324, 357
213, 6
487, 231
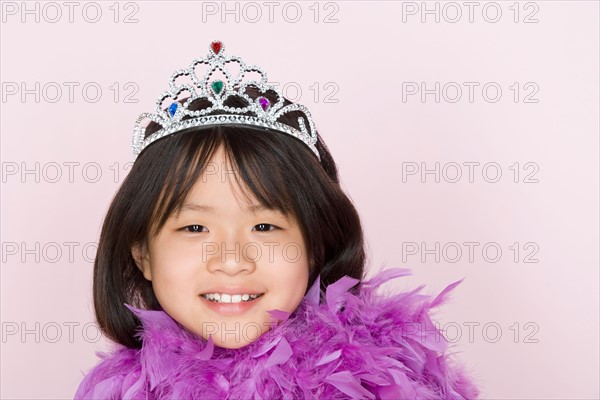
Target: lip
231, 290
230, 308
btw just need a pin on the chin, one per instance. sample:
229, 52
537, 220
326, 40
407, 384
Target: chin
231, 342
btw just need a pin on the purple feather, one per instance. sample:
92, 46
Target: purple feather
335, 291
279, 315
376, 347
312, 297
348, 384
280, 355
440, 298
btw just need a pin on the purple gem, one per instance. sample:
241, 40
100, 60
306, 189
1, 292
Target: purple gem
264, 103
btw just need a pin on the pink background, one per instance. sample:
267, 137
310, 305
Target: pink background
547, 310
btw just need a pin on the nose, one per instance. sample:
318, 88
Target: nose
233, 257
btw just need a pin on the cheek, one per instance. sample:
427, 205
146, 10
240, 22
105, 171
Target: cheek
290, 278
173, 266
176, 250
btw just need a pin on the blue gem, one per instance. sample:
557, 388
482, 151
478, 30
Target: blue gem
172, 109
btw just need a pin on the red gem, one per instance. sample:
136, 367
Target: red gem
216, 47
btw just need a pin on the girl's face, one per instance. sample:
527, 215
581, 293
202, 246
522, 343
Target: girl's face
221, 246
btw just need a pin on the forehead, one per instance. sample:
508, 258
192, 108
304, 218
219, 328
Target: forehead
219, 187
210, 209
220, 190
217, 171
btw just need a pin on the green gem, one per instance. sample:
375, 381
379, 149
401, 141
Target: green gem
217, 86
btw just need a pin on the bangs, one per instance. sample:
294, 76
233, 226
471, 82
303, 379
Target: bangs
259, 173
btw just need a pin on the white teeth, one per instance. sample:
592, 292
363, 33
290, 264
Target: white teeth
228, 298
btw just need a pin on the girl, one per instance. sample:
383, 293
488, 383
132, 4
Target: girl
231, 263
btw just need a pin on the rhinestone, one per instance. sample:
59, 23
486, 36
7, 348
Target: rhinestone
217, 86
264, 103
216, 46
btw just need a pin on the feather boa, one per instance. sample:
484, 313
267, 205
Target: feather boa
362, 346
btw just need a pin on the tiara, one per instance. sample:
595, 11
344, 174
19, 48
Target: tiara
258, 112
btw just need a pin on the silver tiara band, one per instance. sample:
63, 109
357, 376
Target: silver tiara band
216, 92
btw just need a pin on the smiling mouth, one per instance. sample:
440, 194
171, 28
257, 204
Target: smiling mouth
224, 298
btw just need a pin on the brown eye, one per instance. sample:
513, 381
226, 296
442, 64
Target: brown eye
265, 227
194, 228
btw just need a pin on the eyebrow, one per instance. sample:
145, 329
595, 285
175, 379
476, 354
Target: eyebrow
211, 210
